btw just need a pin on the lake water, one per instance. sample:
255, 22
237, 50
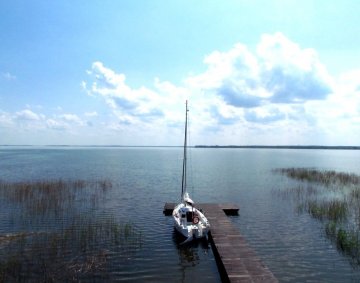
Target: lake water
292, 245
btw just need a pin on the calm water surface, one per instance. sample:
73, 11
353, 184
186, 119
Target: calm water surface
292, 245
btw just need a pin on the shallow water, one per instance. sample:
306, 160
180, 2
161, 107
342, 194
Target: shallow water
292, 245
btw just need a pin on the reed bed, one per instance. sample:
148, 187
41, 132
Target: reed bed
51, 198
74, 253
340, 211
323, 177
298, 193
347, 240
333, 210
70, 240
58, 191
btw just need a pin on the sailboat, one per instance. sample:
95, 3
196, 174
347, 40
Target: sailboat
189, 221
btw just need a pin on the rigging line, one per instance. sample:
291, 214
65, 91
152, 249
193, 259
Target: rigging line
183, 181
190, 158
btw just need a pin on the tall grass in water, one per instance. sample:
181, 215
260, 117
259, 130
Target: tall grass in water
334, 210
322, 177
42, 197
340, 211
75, 243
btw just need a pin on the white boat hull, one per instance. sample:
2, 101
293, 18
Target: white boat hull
190, 222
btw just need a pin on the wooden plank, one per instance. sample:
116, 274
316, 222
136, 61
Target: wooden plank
168, 208
236, 261
228, 208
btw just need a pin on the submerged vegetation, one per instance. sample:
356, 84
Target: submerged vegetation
55, 232
333, 198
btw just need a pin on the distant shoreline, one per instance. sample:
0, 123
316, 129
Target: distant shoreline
282, 147
340, 147
76, 145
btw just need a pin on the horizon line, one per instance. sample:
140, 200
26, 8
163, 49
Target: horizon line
352, 147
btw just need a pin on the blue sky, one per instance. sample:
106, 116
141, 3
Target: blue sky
119, 72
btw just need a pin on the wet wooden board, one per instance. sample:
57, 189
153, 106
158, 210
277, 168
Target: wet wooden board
236, 261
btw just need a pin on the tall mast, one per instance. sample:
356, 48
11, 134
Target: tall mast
183, 182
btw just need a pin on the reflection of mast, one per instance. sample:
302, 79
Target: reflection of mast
183, 181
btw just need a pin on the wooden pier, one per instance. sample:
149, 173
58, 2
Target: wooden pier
236, 261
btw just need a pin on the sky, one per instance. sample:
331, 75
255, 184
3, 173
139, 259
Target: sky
102, 72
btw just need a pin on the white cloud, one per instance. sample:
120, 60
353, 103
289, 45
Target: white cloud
56, 125
6, 120
349, 82
28, 120
279, 71
27, 115
264, 115
276, 93
71, 118
91, 114
128, 104
290, 73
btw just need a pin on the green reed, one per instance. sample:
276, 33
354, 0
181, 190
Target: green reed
52, 196
334, 210
355, 194
74, 242
323, 177
331, 197
347, 241
77, 252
